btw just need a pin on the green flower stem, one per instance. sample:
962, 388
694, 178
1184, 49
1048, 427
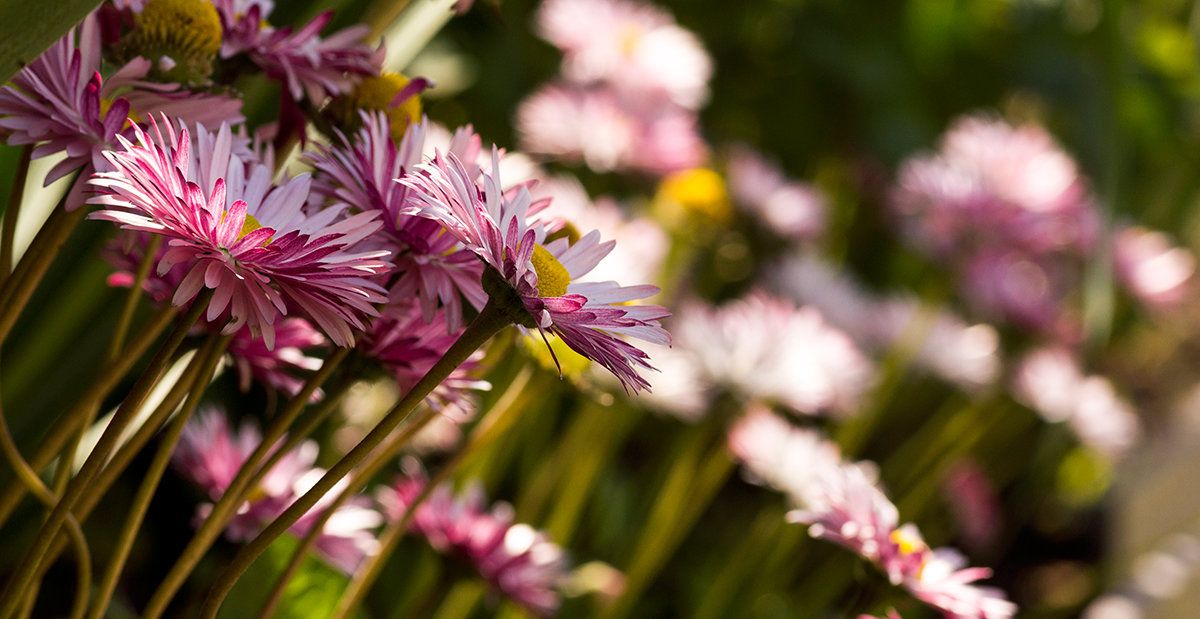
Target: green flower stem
29, 565
131, 299
12, 212
609, 426
364, 472
29, 479
242, 483
762, 536
460, 600
492, 426
124, 456
852, 436
19, 287
206, 360
65, 426
544, 484
699, 469
489, 322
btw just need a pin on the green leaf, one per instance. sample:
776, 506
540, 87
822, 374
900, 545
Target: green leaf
28, 28
313, 592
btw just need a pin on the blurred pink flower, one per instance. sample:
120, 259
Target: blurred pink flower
964, 354
1014, 286
1157, 273
636, 49
795, 211
766, 348
210, 453
544, 276
279, 368
1051, 383
259, 252
595, 127
993, 184
777, 454
408, 347
515, 559
973, 501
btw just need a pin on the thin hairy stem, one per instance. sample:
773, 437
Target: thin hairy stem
29, 565
206, 360
226, 507
489, 322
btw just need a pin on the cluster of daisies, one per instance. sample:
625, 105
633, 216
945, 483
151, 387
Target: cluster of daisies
396, 237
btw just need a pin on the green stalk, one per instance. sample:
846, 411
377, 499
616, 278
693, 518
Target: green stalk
132, 298
29, 479
12, 212
692, 481
491, 319
763, 535
19, 287
65, 426
242, 483
206, 360
29, 565
491, 427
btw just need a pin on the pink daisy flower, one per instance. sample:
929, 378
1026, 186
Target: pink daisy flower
210, 453
408, 346
430, 263
766, 348
516, 559
307, 64
842, 502
541, 277
282, 367
60, 103
242, 236
637, 49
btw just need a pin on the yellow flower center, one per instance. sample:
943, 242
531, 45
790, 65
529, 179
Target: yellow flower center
377, 93
567, 231
553, 277
698, 192
250, 225
187, 33
908, 540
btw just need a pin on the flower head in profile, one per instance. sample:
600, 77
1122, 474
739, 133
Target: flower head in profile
431, 264
307, 64
240, 235
537, 278
516, 559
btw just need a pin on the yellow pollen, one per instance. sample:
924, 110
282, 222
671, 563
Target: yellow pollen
180, 37
908, 540
553, 277
698, 191
191, 26
377, 93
